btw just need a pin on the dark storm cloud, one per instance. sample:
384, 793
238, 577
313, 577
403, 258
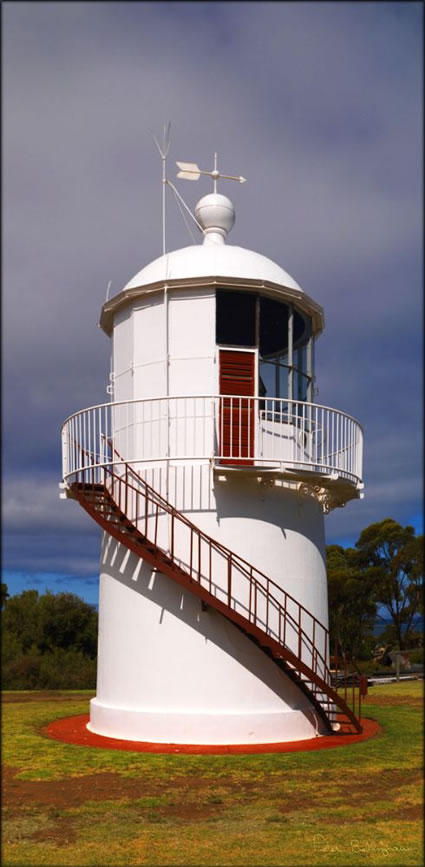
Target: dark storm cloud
317, 104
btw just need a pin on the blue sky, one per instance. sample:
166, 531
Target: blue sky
320, 106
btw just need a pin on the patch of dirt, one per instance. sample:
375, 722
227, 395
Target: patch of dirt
44, 695
411, 813
294, 804
61, 832
378, 787
381, 786
75, 791
366, 789
189, 813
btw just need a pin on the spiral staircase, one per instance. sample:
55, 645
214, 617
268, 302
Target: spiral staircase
131, 511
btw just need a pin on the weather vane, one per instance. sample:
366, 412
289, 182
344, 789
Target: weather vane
192, 172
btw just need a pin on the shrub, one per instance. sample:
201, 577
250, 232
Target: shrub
22, 672
67, 669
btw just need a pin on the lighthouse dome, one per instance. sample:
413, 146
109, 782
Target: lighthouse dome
213, 263
215, 216
212, 260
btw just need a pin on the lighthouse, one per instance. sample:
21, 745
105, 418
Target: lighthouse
210, 471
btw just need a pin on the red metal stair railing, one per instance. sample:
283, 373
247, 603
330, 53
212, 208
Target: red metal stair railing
130, 510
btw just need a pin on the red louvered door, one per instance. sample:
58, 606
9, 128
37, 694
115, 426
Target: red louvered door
237, 378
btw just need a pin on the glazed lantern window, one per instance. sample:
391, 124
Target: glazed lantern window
280, 332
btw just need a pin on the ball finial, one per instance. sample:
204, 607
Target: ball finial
216, 215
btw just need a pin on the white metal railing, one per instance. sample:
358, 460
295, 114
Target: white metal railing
256, 431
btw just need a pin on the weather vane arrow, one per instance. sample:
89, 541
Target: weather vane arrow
192, 172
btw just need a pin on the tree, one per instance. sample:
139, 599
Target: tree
67, 622
21, 618
48, 641
392, 556
352, 603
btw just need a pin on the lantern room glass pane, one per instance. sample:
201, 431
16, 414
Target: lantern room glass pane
235, 318
301, 381
249, 319
273, 327
267, 383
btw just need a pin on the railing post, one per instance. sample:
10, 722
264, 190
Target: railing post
126, 491
299, 632
229, 580
156, 524
250, 594
290, 352
172, 537
359, 463
267, 604
65, 463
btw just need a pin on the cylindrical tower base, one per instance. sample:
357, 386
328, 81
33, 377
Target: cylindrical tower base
172, 670
197, 728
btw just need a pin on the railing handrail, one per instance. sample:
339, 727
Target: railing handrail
167, 507
228, 552
280, 433
303, 403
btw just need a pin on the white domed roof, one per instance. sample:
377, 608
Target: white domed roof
213, 263
212, 260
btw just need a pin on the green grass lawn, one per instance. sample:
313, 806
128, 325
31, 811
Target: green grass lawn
358, 804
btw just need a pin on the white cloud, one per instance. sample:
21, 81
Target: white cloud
31, 505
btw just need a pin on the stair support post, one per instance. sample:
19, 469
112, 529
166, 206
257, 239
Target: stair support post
156, 525
126, 491
250, 594
299, 633
267, 604
172, 537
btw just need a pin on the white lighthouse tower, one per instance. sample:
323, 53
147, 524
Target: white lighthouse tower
210, 472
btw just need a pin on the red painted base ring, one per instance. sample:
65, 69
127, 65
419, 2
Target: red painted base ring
73, 730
